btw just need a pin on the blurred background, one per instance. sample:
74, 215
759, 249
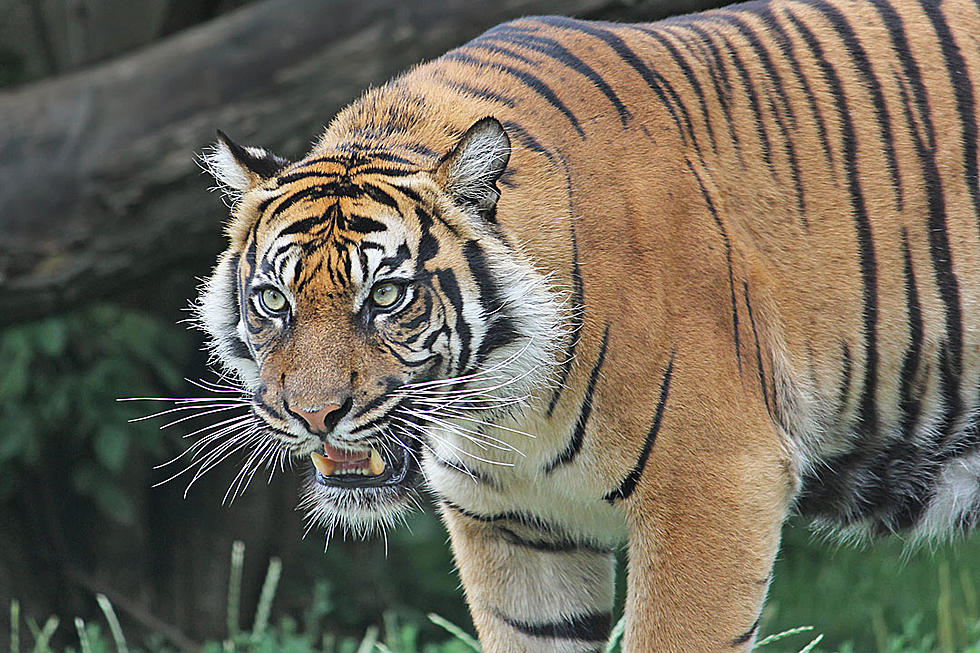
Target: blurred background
106, 227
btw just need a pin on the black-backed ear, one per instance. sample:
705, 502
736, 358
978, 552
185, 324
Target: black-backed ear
237, 168
469, 173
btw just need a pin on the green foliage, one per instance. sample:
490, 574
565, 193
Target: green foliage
863, 594
59, 383
962, 636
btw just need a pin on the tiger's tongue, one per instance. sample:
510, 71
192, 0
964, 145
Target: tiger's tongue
341, 456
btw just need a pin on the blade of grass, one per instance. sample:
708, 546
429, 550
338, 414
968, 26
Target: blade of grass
944, 612
813, 644
880, 629
43, 635
969, 595
268, 594
369, 641
616, 634
235, 588
14, 626
456, 631
783, 635
83, 641
114, 628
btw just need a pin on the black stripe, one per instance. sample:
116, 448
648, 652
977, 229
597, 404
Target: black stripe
500, 327
390, 172
559, 53
293, 177
363, 225
402, 254
908, 458
728, 256
869, 274
416, 322
378, 195
685, 67
788, 50
382, 155
481, 93
910, 365
450, 288
773, 77
576, 320
428, 244
301, 226
748, 89
459, 468
239, 348
418, 148
527, 140
408, 192
959, 78
942, 262
623, 51
578, 436
747, 635
762, 53
910, 68
758, 350
560, 545
524, 519
405, 361
390, 384
629, 483
862, 64
720, 79
533, 82
588, 628
309, 193
845, 382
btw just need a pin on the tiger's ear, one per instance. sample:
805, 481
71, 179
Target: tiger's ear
238, 169
469, 173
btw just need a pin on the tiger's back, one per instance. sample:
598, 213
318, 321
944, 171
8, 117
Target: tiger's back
759, 229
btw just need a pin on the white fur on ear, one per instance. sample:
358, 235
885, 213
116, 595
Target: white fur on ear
470, 172
237, 169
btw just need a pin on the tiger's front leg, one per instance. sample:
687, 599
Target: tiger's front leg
532, 593
705, 528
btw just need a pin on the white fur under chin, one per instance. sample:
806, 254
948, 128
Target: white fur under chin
357, 512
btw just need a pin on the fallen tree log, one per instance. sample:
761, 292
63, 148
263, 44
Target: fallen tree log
99, 192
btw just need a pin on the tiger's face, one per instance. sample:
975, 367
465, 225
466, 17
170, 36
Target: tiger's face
360, 300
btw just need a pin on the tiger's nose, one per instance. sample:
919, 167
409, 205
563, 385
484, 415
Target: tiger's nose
322, 420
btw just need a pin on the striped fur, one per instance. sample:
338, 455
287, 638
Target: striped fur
662, 284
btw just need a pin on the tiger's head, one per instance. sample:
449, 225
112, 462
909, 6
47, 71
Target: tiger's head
374, 313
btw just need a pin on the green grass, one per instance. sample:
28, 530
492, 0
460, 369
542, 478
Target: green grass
843, 594
869, 595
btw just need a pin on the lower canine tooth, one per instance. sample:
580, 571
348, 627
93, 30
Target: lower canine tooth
376, 465
323, 464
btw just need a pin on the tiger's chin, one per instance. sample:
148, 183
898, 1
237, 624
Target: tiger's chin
362, 504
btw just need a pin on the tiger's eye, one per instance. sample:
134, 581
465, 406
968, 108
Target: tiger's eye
273, 300
386, 294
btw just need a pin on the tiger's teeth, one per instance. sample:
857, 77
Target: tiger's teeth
376, 465
323, 464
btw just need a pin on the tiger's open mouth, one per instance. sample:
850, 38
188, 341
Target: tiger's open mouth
364, 469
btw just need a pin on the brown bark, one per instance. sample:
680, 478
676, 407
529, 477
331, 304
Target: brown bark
99, 192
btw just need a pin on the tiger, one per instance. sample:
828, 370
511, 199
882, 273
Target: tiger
653, 286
